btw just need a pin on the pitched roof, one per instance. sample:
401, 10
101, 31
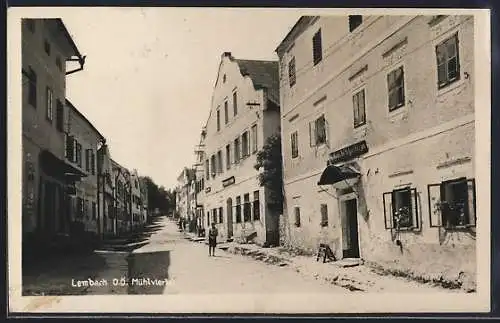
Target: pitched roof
264, 74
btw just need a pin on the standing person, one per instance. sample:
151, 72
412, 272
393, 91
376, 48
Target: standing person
212, 239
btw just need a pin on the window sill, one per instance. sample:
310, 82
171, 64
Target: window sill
398, 114
444, 89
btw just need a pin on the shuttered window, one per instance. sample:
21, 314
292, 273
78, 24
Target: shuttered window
317, 47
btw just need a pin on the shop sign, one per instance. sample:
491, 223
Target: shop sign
228, 181
348, 152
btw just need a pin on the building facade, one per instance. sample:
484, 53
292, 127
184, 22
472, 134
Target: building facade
106, 191
46, 47
144, 196
137, 204
244, 113
182, 196
82, 142
378, 139
122, 198
200, 181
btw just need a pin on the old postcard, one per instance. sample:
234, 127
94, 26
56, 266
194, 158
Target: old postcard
231, 160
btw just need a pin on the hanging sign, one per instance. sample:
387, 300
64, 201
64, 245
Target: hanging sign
348, 152
228, 181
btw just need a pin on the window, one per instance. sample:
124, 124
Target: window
219, 162
59, 63
226, 112
254, 139
238, 209
87, 159
50, 103
235, 103
224, 78
228, 156
317, 47
46, 46
453, 205
70, 148
448, 66
214, 215
221, 216
207, 169
92, 162
94, 211
59, 116
324, 215
297, 216
246, 208
400, 209
318, 131
256, 206
244, 144
396, 86
291, 72
358, 104
208, 218
354, 22
79, 207
237, 155
79, 154
32, 87
294, 138
218, 120
212, 165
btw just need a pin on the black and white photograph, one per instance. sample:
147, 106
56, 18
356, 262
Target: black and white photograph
248, 160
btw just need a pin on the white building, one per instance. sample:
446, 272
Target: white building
388, 102
244, 113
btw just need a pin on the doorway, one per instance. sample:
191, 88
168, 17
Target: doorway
350, 240
229, 218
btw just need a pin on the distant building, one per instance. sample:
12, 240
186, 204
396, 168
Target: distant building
199, 169
244, 113
378, 139
106, 191
82, 142
122, 198
47, 47
137, 204
146, 213
183, 194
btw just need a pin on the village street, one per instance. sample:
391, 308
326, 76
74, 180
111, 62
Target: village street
168, 263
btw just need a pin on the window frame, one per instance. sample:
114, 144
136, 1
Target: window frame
396, 88
59, 116
256, 206
353, 25
297, 215
324, 215
292, 72
49, 104
254, 135
237, 150
447, 59
238, 212
317, 47
389, 222
245, 144
226, 112
358, 122
313, 132
32, 87
228, 156
433, 208
294, 143
218, 120
235, 103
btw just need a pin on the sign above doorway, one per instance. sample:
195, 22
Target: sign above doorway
348, 152
228, 181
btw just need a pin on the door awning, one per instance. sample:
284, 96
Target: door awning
335, 174
54, 166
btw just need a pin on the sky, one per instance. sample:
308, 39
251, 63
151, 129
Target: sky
149, 75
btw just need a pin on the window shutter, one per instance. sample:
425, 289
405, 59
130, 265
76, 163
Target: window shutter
471, 189
414, 208
87, 160
327, 132
312, 133
388, 210
70, 148
92, 163
434, 198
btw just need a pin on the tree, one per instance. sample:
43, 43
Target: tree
158, 196
271, 176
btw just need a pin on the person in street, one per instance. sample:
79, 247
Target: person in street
212, 240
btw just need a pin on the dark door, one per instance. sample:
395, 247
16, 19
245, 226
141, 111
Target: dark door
351, 250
